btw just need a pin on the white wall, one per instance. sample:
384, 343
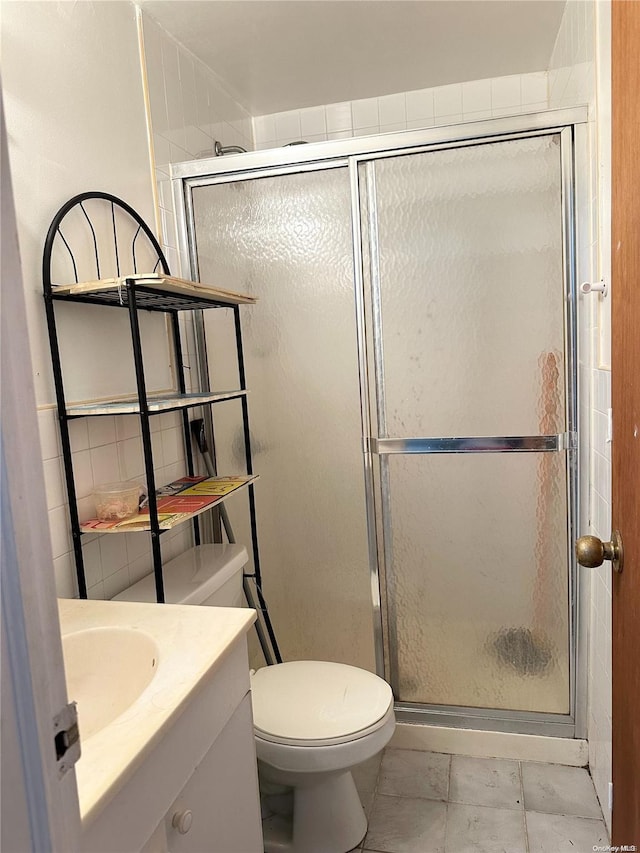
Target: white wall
472, 101
579, 72
76, 121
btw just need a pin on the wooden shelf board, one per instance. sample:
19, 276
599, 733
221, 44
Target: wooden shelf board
157, 282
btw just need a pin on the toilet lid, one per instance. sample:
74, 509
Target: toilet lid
304, 701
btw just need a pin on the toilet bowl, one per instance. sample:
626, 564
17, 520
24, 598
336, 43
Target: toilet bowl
314, 721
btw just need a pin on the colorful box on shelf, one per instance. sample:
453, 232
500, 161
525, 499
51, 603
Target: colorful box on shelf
177, 502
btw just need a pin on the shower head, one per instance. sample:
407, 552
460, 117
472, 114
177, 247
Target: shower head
219, 150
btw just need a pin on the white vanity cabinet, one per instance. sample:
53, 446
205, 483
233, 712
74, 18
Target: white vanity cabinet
218, 809
177, 771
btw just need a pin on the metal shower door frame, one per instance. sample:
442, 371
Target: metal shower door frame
354, 154
381, 446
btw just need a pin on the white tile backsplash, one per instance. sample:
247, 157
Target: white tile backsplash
117, 582
92, 559
101, 431
78, 434
447, 100
49, 433
313, 121
264, 128
53, 483
384, 128
113, 553
127, 426
96, 592
109, 560
130, 458
59, 526
86, 509
171, 446
506, 92
533, 88
469, 101
365, 113
104, 464
83, 473
288, 126
476, 96
392, 109
65, 575
141, 567
338, 117
419, 105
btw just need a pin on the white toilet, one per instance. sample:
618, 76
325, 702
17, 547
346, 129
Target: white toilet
313, 720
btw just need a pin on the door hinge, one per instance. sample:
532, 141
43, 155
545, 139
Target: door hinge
66, 738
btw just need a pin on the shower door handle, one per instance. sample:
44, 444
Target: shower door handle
592, 552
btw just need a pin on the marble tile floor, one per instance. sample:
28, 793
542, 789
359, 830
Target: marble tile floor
425, 802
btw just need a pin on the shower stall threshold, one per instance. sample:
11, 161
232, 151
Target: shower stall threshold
491, 744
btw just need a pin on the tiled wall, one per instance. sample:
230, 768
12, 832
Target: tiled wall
190, 110
472, 101
578, 73
106, 449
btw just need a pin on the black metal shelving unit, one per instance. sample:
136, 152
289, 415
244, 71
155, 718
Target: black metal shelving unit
131, 243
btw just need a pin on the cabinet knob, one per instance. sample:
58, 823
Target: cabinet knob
182, 821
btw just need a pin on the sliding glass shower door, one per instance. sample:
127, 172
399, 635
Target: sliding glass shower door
416, 314
464, 266
286, 239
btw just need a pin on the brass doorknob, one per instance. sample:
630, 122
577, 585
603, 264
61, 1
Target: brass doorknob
592, 552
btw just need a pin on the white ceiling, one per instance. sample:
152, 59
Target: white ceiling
286, 54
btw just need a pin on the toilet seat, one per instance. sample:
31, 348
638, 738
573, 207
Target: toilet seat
318, 703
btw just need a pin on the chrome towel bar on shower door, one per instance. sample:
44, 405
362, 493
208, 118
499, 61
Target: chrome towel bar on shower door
481, 444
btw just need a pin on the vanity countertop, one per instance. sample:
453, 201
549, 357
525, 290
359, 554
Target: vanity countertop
192, 643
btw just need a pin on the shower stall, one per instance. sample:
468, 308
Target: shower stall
412, 366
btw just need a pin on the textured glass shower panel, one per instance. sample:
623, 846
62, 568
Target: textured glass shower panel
472, 290
287, 239
478, 579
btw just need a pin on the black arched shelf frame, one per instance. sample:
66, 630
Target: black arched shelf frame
109, 275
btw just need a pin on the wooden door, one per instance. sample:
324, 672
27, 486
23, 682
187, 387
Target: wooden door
626, 417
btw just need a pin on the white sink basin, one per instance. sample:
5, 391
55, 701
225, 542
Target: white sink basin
134, 669
107, 669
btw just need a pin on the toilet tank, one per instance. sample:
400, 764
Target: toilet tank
209, 575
